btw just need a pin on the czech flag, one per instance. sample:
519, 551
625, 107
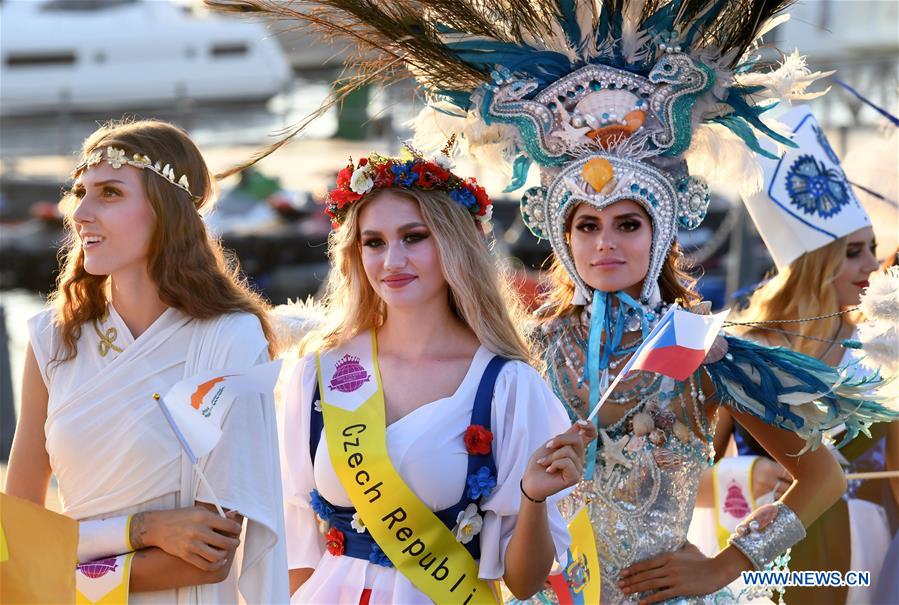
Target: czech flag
677, 346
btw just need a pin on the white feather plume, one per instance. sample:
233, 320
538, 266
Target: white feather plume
293, 321
633, 39
788, 82
493, 146
722, 159
879, 333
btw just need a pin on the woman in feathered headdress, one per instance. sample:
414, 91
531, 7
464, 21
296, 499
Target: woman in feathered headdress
627, 108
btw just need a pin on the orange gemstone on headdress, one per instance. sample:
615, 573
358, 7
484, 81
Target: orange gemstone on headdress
598, 172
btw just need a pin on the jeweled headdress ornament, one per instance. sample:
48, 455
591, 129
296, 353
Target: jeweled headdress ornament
117, 158
612, 99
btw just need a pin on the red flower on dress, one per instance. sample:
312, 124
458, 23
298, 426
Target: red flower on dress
334, 541
478, 439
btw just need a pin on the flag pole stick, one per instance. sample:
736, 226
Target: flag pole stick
608, 392
873, 475
212, 497
187, 450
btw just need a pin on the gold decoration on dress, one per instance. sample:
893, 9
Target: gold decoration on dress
598, 172
106, 340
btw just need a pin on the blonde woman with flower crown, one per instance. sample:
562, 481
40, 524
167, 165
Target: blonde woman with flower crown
422, 456
145, 299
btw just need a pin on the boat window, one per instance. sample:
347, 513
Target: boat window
54, 59
231, 49
84, 5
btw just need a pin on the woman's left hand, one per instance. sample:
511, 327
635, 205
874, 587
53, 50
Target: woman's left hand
684, 572
558, 464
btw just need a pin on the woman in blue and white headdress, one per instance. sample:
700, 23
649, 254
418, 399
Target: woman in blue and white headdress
824, 247
627, 107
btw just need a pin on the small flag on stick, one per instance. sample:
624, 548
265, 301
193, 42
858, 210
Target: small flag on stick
194, 407
676, 347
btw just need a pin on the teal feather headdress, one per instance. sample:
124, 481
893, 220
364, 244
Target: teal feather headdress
612, 99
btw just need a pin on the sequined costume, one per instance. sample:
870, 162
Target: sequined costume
648, 463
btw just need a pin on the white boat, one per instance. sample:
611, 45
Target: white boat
88, 55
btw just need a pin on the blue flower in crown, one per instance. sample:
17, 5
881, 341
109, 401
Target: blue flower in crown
377, 557
814, 188
403, 174
481, 483
320, 505
464, 197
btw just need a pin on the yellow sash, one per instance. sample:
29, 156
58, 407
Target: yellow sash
418, 544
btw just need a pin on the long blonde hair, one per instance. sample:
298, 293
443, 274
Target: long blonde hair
803, 289
189, 267
477, 294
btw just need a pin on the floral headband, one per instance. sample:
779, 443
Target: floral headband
378, 172
117, 158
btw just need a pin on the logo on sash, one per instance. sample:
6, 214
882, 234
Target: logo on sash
349, 375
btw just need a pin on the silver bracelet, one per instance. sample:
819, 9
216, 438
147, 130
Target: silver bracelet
763, 545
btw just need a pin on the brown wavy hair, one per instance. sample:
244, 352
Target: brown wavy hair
192, 271
675, 282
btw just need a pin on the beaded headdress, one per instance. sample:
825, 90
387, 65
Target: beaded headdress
117, 158
375, 172
612, 99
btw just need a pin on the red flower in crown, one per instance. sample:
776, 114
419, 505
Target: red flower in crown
480, 194
342, 197
478, 439
334, 541
430, 175
344, 176
383, 176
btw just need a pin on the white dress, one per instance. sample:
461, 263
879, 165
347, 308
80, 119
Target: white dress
426, 447
113, 453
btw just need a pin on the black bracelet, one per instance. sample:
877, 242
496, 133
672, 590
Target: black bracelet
521, 487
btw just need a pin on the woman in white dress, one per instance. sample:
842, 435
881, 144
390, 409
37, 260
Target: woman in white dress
473, 434
145, 298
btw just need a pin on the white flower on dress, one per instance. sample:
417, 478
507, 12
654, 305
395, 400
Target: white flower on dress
468, 524
358, 524
317, 405
361, 182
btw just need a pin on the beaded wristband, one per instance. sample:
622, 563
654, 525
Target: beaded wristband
762, 545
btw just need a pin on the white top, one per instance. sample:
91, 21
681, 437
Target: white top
114, 454
426, 447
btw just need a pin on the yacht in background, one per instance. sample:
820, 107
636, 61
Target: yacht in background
88, 55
